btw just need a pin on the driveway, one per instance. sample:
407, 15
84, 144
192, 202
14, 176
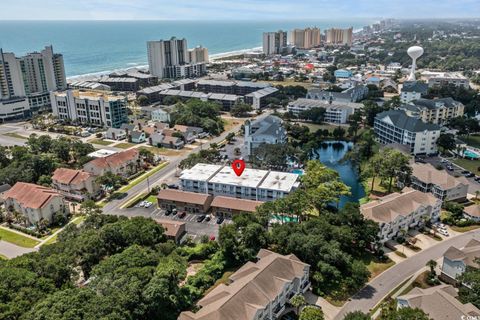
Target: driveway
380, 286
11, 250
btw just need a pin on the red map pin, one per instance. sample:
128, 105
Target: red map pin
238, 166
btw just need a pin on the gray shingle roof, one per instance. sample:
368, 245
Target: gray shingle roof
401, 120
415, 86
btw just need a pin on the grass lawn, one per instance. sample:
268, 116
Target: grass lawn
470, 165
314, 127
473, 141
124, 145
152, 198
162, 151
464, 229
419, 282
51, 240
376, 266
144, 176
15, 135
17, 239
2, 257
134, 200
228, 124
101, 142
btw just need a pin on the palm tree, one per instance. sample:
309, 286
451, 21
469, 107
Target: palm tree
432, 264
16, 216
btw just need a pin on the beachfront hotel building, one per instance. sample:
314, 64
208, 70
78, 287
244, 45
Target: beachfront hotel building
305, 38
335, 112
395, 126
253, 184
339, 36
26, 82
170, 59
274, 42
198, 55
90, 108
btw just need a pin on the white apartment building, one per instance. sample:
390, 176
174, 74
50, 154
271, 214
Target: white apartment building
257, 291
437, 111
90, 108
268, 130
32, 77
441, 184
170, 59
437, 79
413, 90
198, 55
335, 112
274, 42
35, 202
401, 211
395, 126
305, 38
339, 36
253, 184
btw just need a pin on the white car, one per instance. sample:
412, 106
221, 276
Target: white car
142, 204
148, 204
444, 233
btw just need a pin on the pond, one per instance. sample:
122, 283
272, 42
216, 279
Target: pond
331, 154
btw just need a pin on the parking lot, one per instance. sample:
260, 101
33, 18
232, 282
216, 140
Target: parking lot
194, 229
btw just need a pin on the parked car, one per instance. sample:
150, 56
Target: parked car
172, 186
465, 172
470, 175
208, 218
449, 168
182, 215
168, 212
174, 211
148, 204
220, 220
444, 233
141, 204
477, 178
201, 218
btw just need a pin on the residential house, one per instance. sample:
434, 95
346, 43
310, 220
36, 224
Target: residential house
472, 212
441, 184
174, 230
456, 261
162, 114
138, 136
191, 202
395, 126
258, 290
413, 90
439, 303
388, 85
268, 130
35, 202
75, 184
189, 133
116, 134
400, 211
125, 163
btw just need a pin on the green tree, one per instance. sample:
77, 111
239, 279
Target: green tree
240, 110
311, 313
470, 294
298, 301
446, 141
89, 207
338, 133
389, 311
357, 315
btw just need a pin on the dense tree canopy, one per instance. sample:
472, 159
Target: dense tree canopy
197, 113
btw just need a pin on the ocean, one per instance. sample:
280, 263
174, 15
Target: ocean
90, 47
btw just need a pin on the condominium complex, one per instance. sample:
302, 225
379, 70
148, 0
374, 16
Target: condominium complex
274, 42
305, 38
198, 55
259, 290
339, 36
438, 79
268, 130
170, 59
413, 90
437, 111
25, 82
401, 211
253, 184
440, 183
90, 108
395, 126
335, 112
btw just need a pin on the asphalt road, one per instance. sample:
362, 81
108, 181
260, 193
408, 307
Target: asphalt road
382, 285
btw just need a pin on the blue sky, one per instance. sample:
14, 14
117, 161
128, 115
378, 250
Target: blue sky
233, 9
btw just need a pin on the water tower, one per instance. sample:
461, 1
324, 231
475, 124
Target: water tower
414, 52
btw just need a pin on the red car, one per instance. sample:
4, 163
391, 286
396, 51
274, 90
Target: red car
182, 215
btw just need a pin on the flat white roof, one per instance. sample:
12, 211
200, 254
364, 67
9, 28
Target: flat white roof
200, 172
250, 178
101, 153
282, 181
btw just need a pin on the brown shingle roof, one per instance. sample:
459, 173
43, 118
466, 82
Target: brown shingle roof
439, 303
254, 286
468, 254
427, 173
68, 176
473, 210
30, 195
115, 160
235, 204
388, 208
172, 228
184, 196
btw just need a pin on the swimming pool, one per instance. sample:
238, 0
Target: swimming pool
298, 171
470, 154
